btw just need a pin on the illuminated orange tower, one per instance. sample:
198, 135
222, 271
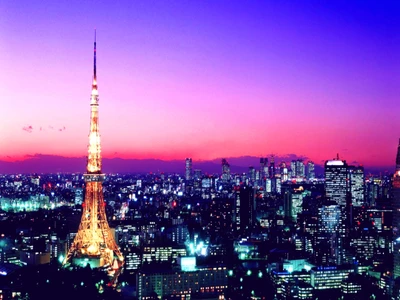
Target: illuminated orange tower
94, 243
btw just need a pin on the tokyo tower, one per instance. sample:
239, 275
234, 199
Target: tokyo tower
94, 243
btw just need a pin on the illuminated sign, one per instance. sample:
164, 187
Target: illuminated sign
188, 263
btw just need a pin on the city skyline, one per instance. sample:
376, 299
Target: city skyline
202, 81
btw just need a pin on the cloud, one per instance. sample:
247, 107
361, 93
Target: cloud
50, 127
28, 128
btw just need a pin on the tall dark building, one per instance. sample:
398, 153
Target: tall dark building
310, 170
396, 215
356, 176
252, 173
244, 208
336, 181
220, 220
329, 244
261, 167
188, 169
266, 172
226, 170
272, 168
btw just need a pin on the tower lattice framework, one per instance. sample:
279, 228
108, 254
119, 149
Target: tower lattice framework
94, 238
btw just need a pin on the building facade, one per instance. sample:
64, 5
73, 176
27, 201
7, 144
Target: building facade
336, 181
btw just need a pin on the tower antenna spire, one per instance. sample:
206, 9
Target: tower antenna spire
94, 56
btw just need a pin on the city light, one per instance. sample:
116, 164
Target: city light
308, 205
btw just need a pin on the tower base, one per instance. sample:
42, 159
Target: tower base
93, 262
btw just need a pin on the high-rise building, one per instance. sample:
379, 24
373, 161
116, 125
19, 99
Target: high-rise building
356, 176
244, 208
262, 166
293, 168
268, 185
336, 181
226, 170
266, 172
284, 172
364, 242
329, 240
252, 173
310, 170
188, 169
300, 169
272, 168
94, 242
220, 221
396, 215
293, 201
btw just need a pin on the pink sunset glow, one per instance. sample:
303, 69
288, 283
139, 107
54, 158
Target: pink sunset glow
201, 81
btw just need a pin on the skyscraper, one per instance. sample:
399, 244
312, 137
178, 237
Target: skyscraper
310, 170
188, 169
284, 172
226, 170
329, 239
266, 172
244, 208
272, 167
293, 168
300, 169
262, 165
252, 173
336, 181
356, 176
94, 242
396, 215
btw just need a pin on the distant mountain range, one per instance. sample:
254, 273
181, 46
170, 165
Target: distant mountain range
40, 163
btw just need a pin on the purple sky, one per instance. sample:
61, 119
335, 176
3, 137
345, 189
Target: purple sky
202, 79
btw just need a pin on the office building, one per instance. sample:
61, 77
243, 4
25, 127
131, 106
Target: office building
263, 168
336, 181
244, 208
356, 175
272, 169
226, 170
329, 242
293, 201
183, 283
310, 170
162, 253
188, 169
330, 277
252, 174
